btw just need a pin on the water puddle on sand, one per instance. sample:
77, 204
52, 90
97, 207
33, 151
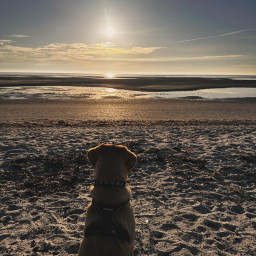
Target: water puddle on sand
71, 92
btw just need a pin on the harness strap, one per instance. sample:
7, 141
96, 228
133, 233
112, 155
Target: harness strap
107, 224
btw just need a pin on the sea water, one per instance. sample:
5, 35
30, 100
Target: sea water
69, 92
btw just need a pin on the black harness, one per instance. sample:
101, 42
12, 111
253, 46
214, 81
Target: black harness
107, 223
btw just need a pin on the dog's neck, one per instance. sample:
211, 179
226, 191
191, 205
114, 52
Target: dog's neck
109, 184
110, 194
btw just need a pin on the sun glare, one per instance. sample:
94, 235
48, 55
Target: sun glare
110, 75
110, 31
110, 90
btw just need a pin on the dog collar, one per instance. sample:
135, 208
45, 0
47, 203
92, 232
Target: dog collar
118, 184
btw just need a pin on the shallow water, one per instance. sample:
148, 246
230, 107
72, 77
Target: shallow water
68, 92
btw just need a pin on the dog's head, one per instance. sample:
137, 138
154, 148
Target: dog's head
111, 162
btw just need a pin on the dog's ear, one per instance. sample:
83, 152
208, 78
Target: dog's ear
131, 159
93, 154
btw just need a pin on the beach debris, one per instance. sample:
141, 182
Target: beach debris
46, 174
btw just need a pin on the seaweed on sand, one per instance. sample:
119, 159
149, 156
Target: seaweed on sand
46, 174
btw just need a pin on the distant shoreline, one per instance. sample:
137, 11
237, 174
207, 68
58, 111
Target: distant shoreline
146, 84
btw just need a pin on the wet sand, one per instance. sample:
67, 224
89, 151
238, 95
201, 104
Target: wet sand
131, 110
151, 83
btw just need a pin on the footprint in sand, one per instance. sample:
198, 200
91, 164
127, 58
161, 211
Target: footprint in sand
169, 226
201, 209
230, 227
212, 224
191, 217
157, 234
238, 209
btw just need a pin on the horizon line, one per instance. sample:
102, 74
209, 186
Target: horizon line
123, 74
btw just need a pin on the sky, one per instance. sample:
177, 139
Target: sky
129, 36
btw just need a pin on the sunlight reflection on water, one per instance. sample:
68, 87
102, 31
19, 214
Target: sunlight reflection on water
69, 92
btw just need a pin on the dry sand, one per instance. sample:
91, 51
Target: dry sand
193, 187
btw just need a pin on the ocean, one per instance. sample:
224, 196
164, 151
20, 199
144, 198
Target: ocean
51, 86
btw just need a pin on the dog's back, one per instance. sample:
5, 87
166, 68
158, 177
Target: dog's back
103, 246
110, 243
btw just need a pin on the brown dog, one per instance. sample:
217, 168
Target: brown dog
110, 225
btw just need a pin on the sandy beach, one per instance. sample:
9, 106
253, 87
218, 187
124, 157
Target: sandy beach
173, 81
193, 189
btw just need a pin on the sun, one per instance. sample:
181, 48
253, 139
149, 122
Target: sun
110, 75
110, 31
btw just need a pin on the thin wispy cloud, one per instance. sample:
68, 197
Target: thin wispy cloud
100, 52
181, 59
3, 42
200, 58
72, 52
220, 35
19, 36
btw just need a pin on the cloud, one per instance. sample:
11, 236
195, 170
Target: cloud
211, 57
183, 59
19, 36
102, 52
79, 52
2, 42
75, 51
220, 35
